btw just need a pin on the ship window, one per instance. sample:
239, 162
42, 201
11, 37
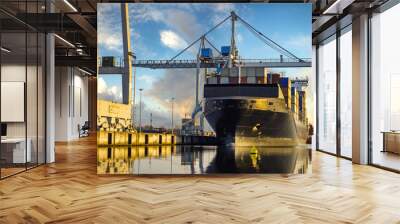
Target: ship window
270, 103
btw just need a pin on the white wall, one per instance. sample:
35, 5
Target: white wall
71, 102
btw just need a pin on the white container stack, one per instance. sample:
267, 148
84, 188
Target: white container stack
224, 80
212, 80
251, 79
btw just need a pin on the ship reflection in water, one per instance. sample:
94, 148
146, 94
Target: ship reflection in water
202, 160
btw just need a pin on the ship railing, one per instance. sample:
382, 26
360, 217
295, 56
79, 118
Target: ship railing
277, 60
119, 61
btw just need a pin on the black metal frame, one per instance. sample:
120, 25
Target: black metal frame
389, 4
338, 93
337, 34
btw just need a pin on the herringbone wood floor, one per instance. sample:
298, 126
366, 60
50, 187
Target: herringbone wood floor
69, 191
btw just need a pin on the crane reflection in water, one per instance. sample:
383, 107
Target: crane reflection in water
181, 159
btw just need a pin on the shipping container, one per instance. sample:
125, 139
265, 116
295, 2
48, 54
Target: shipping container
250, 71
284, 82
259, 72
225, 50
225, 72
234, 71
251, 79
212, 80
108, 61
260, 80
302, 105
233, 80
206, 53
269, 78
287, 95
224, 80
275, 78
294, 99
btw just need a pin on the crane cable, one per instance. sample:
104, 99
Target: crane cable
268, 41
209, 31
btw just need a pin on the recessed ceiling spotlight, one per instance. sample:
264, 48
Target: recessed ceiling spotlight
84, 71
64, 40
5, 50
70, 5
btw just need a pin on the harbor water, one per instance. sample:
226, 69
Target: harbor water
191, 159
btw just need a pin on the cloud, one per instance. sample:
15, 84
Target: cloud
109, 34
177, 83
223, 7
110, 41
149, 79
179, 20
172, 40
221, 11
239, 38
110, 93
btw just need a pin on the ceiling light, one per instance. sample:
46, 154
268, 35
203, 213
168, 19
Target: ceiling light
5, 50
70, 5
64, 40
84, 71
337, 7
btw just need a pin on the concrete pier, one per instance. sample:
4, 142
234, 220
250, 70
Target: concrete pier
121, 138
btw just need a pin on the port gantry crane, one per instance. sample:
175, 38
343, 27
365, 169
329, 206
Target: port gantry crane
220, 60
232, 60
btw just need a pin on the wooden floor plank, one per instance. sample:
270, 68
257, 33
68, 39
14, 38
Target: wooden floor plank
70, 191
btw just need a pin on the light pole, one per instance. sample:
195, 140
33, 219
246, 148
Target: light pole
140, 110
151, 121
172, 115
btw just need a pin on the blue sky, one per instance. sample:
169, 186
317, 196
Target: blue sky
160, 31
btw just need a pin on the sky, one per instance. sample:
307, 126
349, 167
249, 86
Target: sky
160, 31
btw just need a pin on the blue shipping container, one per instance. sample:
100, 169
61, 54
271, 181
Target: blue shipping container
206, 53
225, 50
284, 82
300, 103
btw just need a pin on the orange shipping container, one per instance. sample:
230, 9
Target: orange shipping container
233, 80
260, 80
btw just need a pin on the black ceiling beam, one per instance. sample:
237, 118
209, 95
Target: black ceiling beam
79, 61
49, 22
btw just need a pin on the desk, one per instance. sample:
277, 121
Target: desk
391, 141
16, 148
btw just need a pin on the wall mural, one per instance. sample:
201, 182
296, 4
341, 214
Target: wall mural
204, 88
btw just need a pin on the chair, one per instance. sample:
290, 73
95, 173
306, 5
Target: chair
84, 130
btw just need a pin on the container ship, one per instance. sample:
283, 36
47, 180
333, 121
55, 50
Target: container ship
248, 106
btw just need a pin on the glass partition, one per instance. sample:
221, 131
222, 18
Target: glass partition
385, 89
346, 92
13, 94
22, 88
327, 96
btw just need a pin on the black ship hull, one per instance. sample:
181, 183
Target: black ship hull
247, 121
